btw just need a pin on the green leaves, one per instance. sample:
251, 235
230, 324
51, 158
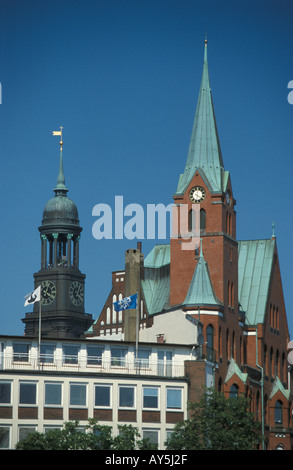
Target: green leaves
217, 423
93, 437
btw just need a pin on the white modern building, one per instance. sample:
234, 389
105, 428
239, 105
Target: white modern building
81, 379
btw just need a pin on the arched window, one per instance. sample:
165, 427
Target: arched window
210, 342
191, 220
202, 220
233, 345
220, 343
233, 391
277, 319
271, 362
277, 364
278, 412
229, 223
283, 368
108, 316
227, 344
220, 385
240, 350
232, 295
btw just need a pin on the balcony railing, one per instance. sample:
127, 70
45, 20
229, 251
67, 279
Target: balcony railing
98, 364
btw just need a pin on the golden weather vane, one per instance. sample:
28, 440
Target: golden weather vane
59, 133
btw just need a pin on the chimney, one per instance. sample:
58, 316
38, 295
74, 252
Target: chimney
133, 274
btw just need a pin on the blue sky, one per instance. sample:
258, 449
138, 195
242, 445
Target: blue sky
122, 78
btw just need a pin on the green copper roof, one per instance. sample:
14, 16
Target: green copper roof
201, 292
204, 152
158, 257
255, 260
234, 369
278, 386
156, 283
61, 189
60, 209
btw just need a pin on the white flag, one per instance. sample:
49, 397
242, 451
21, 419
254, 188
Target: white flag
33, 297
57, 133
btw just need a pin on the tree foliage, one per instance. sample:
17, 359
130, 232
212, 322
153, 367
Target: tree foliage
217, 423
94, 437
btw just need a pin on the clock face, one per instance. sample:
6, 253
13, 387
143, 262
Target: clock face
197, 194
48, 292
76, 293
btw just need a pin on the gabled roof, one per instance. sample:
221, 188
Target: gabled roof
234, 369
204, 149
255, 260
201, 292
277, 386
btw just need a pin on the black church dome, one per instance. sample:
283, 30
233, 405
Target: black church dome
60, 210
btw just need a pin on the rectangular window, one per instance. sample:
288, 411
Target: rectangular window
152, 435
78, 394
21, 352
24, 431
118, 356
102, 395
53, 393
165, 363
126, 397
5, 392
94, 355
4, 437
150, 397
70, 354
143, 357
47, 353
27, 393
174, 398
51, 428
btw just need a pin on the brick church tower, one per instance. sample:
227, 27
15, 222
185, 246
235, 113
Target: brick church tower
206, 184
230, 289
205, 189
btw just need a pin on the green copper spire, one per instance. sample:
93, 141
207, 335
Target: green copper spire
201, 292
60, 189
204, 152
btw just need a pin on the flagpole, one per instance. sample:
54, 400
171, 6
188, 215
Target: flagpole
137, 325
40, 323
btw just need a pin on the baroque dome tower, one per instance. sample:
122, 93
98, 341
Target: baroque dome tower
62, 283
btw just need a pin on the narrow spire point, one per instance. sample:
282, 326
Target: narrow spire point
60, 189
273, 234
200, 249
